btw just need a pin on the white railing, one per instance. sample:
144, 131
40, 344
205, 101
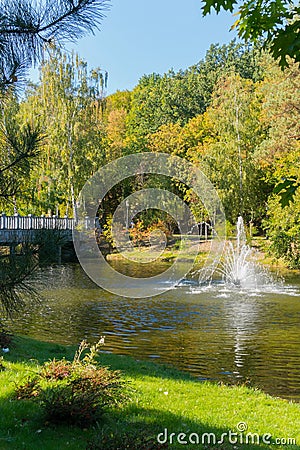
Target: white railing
30, 222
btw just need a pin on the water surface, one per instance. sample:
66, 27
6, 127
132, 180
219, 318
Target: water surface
216, 333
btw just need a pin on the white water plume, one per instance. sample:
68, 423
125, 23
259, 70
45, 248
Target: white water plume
238, 267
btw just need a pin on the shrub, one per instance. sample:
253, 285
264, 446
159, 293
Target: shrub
29, 389
138, 234
283, 229
5, 337
156, 233
75, 392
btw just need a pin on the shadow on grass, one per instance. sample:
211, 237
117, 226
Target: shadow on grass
133, 427
150, 429
23, 426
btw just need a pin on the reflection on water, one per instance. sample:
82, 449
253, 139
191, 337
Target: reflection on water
213, 332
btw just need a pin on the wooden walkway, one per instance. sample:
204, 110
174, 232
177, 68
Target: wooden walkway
16, 229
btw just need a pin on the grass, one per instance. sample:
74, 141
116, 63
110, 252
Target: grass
263, 255
162, 398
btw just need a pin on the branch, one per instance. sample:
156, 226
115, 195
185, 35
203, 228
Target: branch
17, 160
25, 28
8, 189
86, 12
24, 144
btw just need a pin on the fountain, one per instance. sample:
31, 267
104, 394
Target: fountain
238, 268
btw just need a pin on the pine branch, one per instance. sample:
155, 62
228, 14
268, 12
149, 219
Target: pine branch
64, 16
23, 144
26, 27
8, 188
15, 287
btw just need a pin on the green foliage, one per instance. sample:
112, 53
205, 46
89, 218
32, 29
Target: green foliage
20, 144
116, 101
285, 44
177, 97
228, 5
286, 190
27, 27
244, 60
68, 102
15, 287
283, 229
281, 157
274, 22
6, 338
76, 392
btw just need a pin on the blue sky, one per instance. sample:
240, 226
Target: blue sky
139, 37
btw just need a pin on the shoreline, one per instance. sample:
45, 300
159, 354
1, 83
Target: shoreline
163, 398
260, 246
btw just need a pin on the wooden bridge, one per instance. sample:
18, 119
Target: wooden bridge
16, 229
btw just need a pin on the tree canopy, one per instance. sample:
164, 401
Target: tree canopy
275, 23
27, 28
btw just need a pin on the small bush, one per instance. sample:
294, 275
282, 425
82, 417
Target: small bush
29, 389
5, 337
56, 369
75, 392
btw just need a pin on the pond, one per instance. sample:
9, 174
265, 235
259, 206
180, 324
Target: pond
215, 333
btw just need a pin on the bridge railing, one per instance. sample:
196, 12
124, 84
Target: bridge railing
31, 222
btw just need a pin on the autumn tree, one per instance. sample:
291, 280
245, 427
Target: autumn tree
225, 143
178, 97
280, 153
68, 105
27, 28
116, 110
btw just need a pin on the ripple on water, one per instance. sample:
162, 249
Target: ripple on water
214, 331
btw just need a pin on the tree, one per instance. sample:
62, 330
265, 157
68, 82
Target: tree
281, 111
27, 27
178, 97
283, 225
19, 146
280, 153
116, 109
274, 23
229, 138
68, 103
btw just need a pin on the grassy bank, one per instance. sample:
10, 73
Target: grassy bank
162, 398
260, 244
266, 258
172, 251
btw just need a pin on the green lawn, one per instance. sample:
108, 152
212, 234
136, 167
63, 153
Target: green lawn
161, 398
